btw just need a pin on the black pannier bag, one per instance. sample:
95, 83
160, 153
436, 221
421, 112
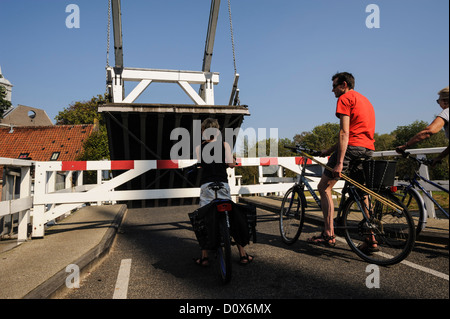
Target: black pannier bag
243, 224
205, 223
379, 174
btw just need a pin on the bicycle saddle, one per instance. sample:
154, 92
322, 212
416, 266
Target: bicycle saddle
215, 186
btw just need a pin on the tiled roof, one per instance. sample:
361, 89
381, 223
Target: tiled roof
41, 142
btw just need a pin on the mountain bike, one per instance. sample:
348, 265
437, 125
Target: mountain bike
362, 215
408, 193
211, 224
223, 251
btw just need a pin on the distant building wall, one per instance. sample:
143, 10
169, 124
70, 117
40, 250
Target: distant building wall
23, 115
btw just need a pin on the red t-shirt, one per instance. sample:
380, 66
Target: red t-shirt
362, 118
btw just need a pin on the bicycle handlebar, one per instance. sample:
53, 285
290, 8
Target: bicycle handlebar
299, 149
423, 161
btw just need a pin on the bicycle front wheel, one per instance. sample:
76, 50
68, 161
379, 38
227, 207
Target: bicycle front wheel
415, 205
224, 252
292, 215
392, 230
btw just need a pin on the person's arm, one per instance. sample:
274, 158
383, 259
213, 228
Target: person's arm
431, 129
330, 150
440, 157
229, 158
344, 133
197, 151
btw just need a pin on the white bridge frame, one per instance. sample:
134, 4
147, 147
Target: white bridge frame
146, 76
47, 203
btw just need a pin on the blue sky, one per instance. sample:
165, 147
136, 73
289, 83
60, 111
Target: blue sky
286, 53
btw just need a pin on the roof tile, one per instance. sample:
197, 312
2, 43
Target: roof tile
42, 141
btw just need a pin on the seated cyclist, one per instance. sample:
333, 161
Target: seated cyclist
214, 156
356, 140
441, 121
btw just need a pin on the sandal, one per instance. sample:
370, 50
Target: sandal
245, 260
323, 239
202, 261
369, 246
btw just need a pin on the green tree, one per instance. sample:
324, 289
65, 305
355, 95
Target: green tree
86, 112
4, 104
282, 151
96, 146
384, 142
405, 167
321, 137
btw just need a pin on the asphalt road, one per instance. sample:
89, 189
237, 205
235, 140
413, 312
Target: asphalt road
152, 259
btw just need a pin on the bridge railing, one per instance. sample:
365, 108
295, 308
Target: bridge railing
52, 198
16, 200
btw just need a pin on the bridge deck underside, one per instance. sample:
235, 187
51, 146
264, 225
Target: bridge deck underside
142, 132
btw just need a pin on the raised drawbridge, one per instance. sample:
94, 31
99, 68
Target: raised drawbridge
143, 131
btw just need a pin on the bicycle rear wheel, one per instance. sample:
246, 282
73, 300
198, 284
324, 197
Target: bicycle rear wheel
393, 231
292, 216
224, 252
415, 205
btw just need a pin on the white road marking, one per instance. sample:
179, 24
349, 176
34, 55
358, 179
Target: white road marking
425, 269
410, 264
121, 289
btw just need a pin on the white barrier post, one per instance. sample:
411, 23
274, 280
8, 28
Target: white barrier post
40, 184
25, 191
423, 171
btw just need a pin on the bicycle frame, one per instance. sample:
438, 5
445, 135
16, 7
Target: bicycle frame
304, 182
345, 190
358, 199
415, 182
364, 216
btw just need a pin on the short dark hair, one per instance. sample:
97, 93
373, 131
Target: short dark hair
345, 76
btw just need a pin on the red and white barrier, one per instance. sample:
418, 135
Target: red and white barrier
162, 164
63, 201
48, 204
114, 165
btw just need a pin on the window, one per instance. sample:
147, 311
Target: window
24, 155
31, 114
55, 156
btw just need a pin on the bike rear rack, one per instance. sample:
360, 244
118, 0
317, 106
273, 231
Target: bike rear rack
224, 207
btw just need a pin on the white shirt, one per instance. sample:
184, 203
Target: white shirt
444, 116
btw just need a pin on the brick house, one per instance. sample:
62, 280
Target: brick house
43, 143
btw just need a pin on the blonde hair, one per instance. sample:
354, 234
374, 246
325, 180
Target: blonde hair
210, 129
443, 94
210, 123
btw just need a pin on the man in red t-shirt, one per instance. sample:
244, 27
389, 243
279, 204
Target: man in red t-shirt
356, 140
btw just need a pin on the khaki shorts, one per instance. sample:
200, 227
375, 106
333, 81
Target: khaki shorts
353, 152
